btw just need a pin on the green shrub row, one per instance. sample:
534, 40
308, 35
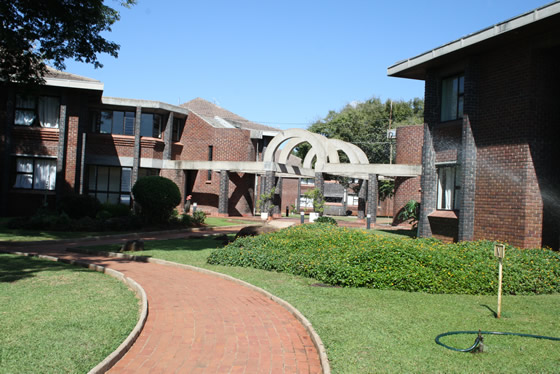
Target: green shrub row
358, 258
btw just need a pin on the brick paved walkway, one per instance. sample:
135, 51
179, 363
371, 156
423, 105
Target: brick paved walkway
199, 323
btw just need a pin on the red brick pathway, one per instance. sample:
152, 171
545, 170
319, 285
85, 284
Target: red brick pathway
199, 323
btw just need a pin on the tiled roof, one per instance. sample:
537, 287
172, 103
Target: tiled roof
220, 117
57, 74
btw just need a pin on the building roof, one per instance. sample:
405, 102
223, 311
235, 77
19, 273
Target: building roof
532, 22
59, 78
222, 118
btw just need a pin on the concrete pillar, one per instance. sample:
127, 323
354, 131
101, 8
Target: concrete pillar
468, 182
268, 185
61, 152
137, 150
428, 184
320, 184
362, 199
167, 138
372, 197
224, 193
298, 200
83, 164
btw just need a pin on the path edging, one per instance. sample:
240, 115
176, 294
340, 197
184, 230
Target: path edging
296, 313
125, 346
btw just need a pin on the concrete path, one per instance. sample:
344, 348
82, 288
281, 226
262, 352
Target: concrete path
200, 323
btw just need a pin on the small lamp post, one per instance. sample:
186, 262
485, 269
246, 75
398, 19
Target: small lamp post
499, 252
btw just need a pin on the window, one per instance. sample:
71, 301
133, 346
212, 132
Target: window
308, 181
35, 173
449, 185
305, 202
113, 122
210, 157
43, 111
147, 172
110, 184
452, 98
352, 200
150, 125
177, 129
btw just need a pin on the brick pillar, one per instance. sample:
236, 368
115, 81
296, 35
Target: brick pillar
60, 178
224, 193
137, 150
468, 182
362, 199
372, 197
72, 152
167, 137
6, 159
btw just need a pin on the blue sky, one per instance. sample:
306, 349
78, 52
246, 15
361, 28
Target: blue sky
283, 63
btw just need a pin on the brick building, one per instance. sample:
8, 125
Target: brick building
66, 137
491, 141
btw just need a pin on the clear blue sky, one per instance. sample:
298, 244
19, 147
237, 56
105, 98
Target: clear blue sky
282, 63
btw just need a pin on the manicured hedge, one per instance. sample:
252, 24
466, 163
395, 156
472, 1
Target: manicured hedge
358, 258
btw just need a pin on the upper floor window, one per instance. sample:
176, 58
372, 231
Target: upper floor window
35, 173
41, 111
113, 122
210, 158
449, 185
452, 98
178, 124
150, 125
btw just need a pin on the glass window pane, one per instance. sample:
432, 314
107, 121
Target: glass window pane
461, 85
102, 197
106, 122
44, 177
23, 181
126, 179
460, 107
92, 178
157, 126
146, 124
24, 117
27, 102
113, 198
102, 178
114, 179
118, 122
49, 108
125, 199
129, 123
449, 88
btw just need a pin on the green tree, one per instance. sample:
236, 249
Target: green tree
157, 196
35, 33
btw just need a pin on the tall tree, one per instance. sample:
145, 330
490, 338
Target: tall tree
365, 124
34, 33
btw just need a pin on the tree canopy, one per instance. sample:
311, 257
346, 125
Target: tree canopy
365, 124
36, 33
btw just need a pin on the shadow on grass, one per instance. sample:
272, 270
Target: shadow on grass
409, 233
14, 268
494, 313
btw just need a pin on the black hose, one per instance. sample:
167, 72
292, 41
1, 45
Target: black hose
478, 339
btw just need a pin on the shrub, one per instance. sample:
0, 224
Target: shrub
326, 219
318, 200
198, 217
187, 220
157, 197
410, 211
360, 258
78, 206
116, 210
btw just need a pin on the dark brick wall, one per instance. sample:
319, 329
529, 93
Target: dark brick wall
409, 151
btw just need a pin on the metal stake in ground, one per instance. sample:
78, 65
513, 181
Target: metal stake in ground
500, 252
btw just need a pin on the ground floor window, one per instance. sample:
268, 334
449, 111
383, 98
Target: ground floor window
110, 184
449, 184
35, 173
305, 202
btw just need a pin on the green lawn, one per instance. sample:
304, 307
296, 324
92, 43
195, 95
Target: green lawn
57, 318
221, 221
370, 331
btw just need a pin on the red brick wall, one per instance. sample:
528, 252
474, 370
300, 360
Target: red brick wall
409, 151
35, 141
72, 152
110, 145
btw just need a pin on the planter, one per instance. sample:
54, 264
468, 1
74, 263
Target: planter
313, 216
264, 216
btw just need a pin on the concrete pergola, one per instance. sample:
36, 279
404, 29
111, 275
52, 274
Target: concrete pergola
325, 152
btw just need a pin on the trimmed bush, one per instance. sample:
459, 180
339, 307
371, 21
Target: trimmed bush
78, 206
199, 217
157, 196
326, 219
359, 258
117, 210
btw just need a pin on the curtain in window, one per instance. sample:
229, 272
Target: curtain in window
49, 111
45, 174
24, 169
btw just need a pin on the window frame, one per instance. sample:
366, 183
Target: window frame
210, 158
455, 190
36, 122
177, 129
51, 179
126, 127
124, 196
458, 99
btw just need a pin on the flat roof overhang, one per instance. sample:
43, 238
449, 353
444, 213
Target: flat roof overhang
536, 22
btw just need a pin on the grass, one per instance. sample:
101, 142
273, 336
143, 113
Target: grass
221, 221
370, 331
58, 318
